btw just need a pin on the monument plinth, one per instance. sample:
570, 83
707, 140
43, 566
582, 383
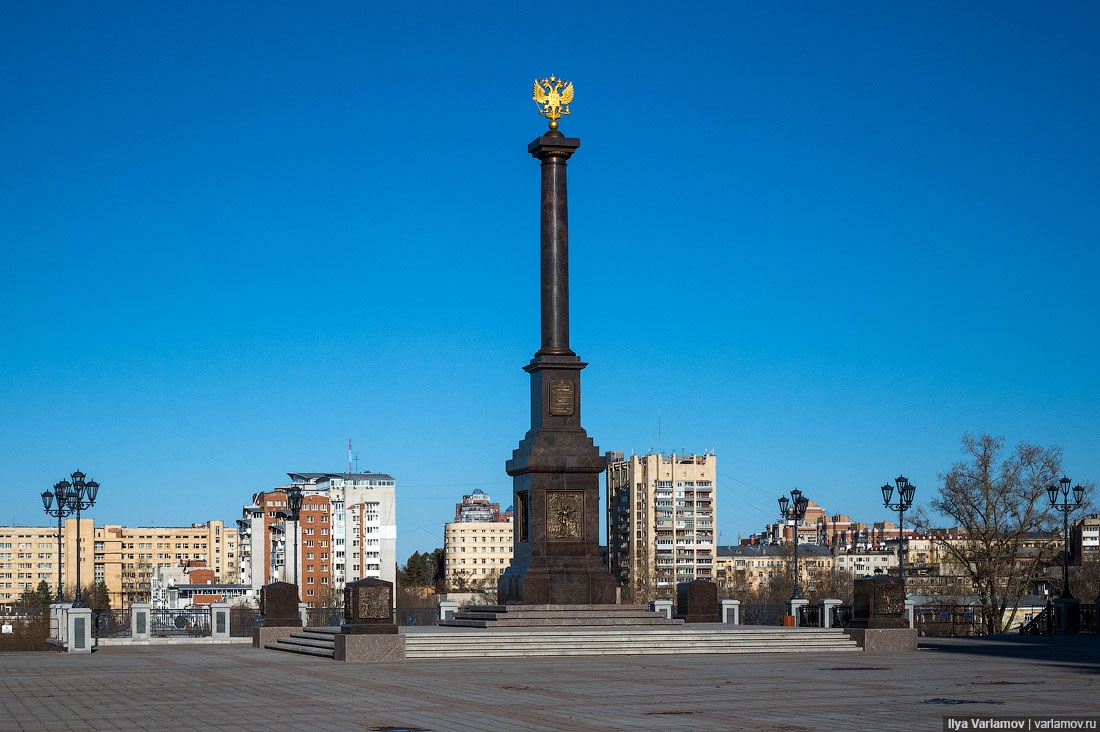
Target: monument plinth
555, 470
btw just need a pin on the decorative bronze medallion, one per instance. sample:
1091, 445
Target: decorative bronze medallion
562, 401
565, 515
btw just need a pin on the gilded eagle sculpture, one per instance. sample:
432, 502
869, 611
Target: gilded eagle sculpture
553, 96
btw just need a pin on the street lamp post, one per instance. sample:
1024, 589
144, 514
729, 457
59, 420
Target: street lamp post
81, 496
294, 510
1066, 507
905, 502
794, 509
61, 496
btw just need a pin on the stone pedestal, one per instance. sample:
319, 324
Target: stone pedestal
729, 611
879, 603
1067, 615
79, 631
140, 622
664, 607
884, 640
794, 608
368, 648
279, 605
447, 609
368, 608
697, 601
555, 470
279, 608
825, 609
219, 622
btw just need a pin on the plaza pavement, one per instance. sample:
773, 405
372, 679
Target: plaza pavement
236, 687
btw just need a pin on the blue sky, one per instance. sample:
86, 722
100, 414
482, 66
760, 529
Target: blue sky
822, 239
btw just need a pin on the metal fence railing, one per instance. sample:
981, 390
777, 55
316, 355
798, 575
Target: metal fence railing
191, 622
763, 614
938, 621
111, 623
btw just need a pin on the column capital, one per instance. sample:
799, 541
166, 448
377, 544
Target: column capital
551, 145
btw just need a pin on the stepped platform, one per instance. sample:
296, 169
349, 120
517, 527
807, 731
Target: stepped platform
544, 616
638, 640
308, 642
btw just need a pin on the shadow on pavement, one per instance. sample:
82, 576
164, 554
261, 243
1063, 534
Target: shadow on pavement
1081, 652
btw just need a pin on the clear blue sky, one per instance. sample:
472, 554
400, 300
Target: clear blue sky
821, 239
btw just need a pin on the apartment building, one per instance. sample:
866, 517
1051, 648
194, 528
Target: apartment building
661, 521
124, 559
346, 531
477, 545
749, 567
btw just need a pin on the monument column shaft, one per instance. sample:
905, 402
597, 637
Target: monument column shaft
555, 257
554, 150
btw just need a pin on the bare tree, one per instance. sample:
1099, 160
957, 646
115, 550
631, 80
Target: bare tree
999, 503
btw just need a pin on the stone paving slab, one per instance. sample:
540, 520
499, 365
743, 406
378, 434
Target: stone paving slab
243, 689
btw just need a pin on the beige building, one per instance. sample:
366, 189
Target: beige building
477, 545
124, 559
661, 518
743, 569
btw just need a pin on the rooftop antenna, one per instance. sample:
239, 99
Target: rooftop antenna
349, 456
660, 449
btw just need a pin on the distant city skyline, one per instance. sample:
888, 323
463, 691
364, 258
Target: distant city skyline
823, 241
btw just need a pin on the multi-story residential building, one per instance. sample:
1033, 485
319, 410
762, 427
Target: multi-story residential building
866, 563
477, 545
347, 530
749, 567
124, 559
661, 518
1087, 535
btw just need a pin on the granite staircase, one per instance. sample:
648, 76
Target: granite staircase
546, 616
623, 641
308, 641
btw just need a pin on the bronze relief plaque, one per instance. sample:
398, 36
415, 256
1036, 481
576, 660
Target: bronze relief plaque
565, 515
889, 600
562, 398
374, 603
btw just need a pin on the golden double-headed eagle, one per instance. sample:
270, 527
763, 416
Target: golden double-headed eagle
553, 97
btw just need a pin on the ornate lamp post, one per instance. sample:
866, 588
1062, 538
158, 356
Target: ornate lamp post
1066, 507
61, 496
294, 510
794, 510
81, 497
905, 502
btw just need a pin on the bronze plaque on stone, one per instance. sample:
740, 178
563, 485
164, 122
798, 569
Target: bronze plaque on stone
889, 600
565, 515
562, 402
374, 603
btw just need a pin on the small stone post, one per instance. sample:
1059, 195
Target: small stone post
140, 630
730, 611
825, 611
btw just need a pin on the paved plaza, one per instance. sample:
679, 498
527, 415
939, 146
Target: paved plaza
236, 687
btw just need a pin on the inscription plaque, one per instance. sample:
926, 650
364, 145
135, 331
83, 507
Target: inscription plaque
562, 402
565, 515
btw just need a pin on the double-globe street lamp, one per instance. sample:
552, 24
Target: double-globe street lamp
294, 510
905, 502
1066, 507
60, 494
74, 497
794, 510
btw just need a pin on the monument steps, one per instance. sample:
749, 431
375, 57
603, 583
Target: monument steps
507, 643
537, 616
310, 642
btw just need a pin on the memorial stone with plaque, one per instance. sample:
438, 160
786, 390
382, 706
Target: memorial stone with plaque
697, 601
368, 608
879, 602
279, 605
